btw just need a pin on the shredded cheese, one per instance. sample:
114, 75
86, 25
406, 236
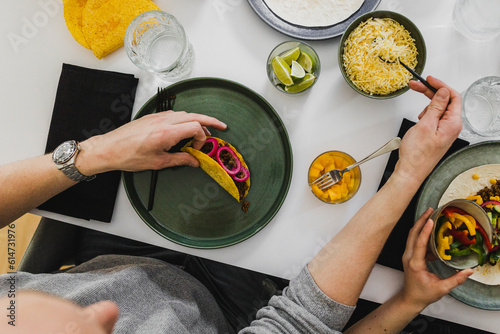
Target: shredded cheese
371, 54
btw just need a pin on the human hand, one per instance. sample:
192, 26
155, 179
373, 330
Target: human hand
439, 125
421, 286
144, 143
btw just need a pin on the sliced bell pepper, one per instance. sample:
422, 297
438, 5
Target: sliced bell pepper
485, 238
458, 252
478, 199
471, 219
443, 242
478, 248
462, 236
449, 210
466, 221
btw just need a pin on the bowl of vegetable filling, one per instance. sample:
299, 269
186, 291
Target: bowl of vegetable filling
462, 235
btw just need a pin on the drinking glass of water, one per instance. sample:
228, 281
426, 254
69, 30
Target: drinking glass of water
477, 19
481, 108
156, 42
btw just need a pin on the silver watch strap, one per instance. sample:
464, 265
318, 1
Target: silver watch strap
74, 174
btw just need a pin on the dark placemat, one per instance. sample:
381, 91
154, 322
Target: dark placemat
396, 243
89, 102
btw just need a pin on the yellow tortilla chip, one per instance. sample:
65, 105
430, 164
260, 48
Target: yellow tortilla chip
105, 22
73, 10
212, 168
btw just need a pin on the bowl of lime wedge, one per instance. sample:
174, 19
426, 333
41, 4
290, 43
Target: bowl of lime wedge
293, 67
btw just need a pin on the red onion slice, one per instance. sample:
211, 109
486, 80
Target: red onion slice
215, 146
246, 175
490, 202
238, 163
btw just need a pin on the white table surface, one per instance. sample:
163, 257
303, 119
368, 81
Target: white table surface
232, 42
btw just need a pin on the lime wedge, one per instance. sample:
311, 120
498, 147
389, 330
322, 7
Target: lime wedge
306, 62
297, 71
303, 85
282, 71
291, 55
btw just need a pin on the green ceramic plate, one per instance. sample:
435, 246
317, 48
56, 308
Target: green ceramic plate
193, 210
471, 292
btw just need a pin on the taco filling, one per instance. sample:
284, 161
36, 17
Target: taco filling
224, 164
482, 185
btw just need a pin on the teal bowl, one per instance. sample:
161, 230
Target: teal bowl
405, 22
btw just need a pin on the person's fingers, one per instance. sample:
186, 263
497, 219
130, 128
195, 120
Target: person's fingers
189, 130
437, 107
413, 234
455, 280
422, 240
106, 314
436, 83
179, 159
422, 113
421, 88
180, 117
207, 132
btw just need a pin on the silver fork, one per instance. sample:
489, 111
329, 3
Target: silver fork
329, 179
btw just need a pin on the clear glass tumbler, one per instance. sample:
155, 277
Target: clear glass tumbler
477, 19
156, 42
481, 108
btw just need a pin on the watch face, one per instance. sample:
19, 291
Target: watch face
64, 152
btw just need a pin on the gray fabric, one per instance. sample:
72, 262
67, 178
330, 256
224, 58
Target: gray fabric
303, 308
155, 297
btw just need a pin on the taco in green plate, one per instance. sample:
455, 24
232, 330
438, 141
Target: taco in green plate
224, 164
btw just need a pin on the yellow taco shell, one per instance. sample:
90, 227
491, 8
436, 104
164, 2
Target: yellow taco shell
73, 14
216, 172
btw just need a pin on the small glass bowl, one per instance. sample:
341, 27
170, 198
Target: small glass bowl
281, 49
468, 261
346, 160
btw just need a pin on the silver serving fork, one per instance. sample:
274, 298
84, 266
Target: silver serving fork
329, 179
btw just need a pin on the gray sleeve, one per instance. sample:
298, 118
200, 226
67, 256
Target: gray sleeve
302, 308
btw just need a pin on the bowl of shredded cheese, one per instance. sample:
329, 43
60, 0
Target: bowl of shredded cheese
372, 47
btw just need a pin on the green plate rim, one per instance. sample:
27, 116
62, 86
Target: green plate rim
127, 177
461, 293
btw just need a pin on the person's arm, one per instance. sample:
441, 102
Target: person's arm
323, 296
342, 267
138, 145
421, 287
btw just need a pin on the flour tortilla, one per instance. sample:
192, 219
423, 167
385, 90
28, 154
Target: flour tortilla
463, 186
314, 13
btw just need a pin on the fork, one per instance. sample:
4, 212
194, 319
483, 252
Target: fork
330, 178
163, 102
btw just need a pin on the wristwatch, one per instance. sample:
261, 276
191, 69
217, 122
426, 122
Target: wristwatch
64, 157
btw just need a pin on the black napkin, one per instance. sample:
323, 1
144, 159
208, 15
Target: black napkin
89, 102
395, 246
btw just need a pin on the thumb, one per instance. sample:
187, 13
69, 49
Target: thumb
180, 159
458, 279
437, 106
